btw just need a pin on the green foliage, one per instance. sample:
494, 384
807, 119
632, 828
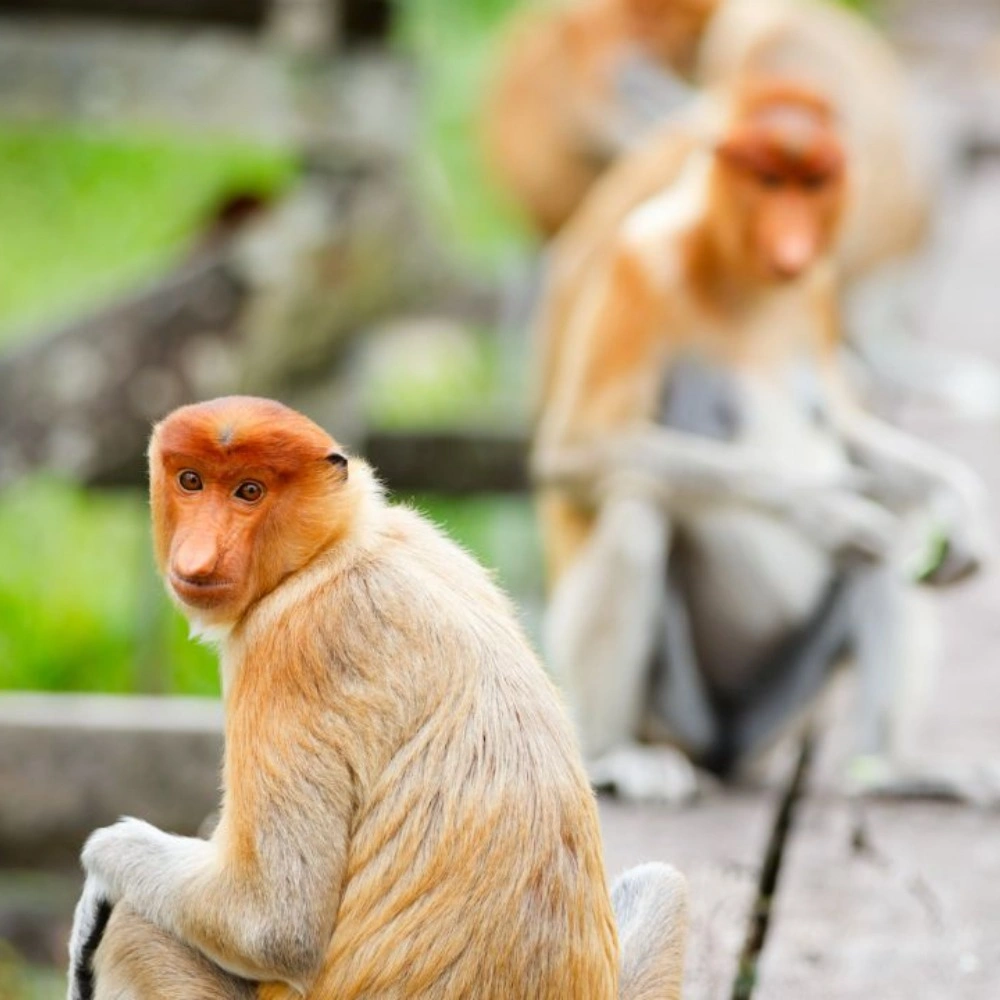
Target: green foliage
18, 981
455, 46
432, 381
80, 606
88, 214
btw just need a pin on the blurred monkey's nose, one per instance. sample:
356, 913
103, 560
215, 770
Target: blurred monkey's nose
793, 254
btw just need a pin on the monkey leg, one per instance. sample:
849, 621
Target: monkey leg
601, 630
650, 904
137, 961
791, 683
888, 653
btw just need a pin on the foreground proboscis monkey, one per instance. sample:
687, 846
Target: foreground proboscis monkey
722, 521
404, 812
584, 81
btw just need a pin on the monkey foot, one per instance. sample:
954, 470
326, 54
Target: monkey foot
640, 773
973, 784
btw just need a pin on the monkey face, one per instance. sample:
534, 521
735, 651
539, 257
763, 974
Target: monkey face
779, 190
244, 493
670, 30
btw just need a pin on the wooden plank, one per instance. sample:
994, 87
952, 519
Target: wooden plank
899, 902
719, 845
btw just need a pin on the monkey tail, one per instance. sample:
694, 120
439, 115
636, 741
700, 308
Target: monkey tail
650, 904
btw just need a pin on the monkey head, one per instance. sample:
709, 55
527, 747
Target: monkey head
244, 492
670, 30
779, 183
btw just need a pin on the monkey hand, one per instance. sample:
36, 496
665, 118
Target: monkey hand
963, 535
852, 528
118, 856
89, 920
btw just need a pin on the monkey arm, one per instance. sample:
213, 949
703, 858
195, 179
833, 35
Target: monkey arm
263, 911
903, 468
595, 432
907, 472
681, 470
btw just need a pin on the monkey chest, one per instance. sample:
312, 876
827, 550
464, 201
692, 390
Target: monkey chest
748, 580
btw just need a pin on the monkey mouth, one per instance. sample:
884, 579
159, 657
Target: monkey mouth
200, 593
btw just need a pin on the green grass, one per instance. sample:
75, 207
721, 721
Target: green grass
80, 606
86, 214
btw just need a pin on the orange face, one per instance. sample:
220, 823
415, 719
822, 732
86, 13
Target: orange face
670, 30
778, 191
244, 492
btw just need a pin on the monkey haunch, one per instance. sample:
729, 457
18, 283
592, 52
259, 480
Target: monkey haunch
404, 814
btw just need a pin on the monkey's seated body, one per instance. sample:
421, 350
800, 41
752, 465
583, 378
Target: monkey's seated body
722, 521
405, 814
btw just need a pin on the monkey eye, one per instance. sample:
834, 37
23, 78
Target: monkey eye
190, 481
249, 492
814, 182
772, 180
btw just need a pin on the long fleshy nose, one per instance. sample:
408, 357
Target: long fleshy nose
793, 252
196, 557
789, 236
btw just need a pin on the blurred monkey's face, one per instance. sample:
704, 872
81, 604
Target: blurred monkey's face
779, 190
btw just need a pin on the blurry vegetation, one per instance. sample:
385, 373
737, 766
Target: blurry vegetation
88, 215
456, 47
80, 607
20, 982
432, 374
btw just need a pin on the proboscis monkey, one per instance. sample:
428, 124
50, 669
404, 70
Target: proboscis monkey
579, 83
404, 811
722, 521
583, 81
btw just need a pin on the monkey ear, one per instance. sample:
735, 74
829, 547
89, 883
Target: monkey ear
339, 461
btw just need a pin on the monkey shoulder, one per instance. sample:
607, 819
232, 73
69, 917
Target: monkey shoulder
654, 231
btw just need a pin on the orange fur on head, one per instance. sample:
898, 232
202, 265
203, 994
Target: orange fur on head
778, 189
244, 493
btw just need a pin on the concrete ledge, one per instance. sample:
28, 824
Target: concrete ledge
69, 764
